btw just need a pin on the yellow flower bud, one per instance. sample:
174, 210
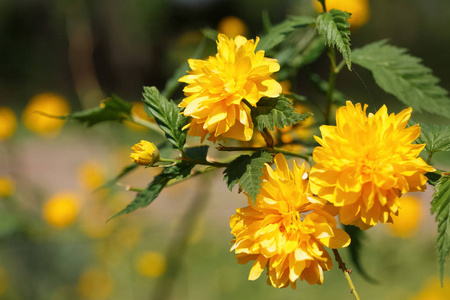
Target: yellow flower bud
96, 284
151, 264
8, 123
61, 210
232, 26
145, 153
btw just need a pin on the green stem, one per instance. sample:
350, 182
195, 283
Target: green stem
340, 66
331, 84
147, 124
338, 258
429, 158
194, 161
268, 149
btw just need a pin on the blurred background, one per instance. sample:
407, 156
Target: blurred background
65, 56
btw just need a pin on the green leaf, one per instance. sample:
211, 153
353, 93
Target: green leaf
122, 173
167, 115
146, 197
436, 138
276, 112
355, 248
403, 76
334, 26
247, 171
197, 153
277, 34
111, 109
441, 207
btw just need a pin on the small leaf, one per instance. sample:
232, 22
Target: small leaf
146, 197
334, 26
274, 113
247, 171
355, 248
403, 76
111, 109
167, 116
436, 138
277, 34
197, 153
122, 173
441, 207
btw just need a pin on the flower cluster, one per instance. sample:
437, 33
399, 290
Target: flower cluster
286, 229
220, 89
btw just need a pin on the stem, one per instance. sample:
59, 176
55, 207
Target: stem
179, 243
267, 137
270, 150
429, 158
340, 66
338, 258
331, 84
147, 124
194, 161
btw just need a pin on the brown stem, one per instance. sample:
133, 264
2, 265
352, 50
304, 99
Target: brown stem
267, 138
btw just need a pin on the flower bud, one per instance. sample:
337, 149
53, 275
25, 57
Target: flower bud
145, 153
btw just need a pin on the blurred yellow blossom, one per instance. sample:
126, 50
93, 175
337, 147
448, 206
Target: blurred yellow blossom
7, 186
286, 86
145, 153
61, 209
359, 9
232, 26
4, 281
48, 103
405, 224
8, 123
138, 111
95, 284
151, 264
218, 86
91, 174
433, 290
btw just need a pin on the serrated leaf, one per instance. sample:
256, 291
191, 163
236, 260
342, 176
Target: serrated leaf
403, 76
146, 197
111, 109
277, 33
355, 248
274, 113
197, 153
441, 207
167, 116
436, 138
122, 173
334, 26
247, 171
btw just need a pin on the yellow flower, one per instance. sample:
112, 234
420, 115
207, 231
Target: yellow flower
6, 186
50, 104
95, 284
138, 112
405, 224
8, 123
286, 229
433, 290
145, 153
218, 86
232, 26
61, 209
151, 264
91, 175
365, 163
359, 9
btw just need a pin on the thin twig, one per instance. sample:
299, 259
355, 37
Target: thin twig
271, 150
338, 258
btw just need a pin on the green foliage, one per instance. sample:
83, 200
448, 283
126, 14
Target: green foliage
322, 85
146, 197
277, 34
403, 76
247, 171
436, 138
167, 116
355, 248
274, 113
334, 26
122, 173
112, 109
197, 153
441, 207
